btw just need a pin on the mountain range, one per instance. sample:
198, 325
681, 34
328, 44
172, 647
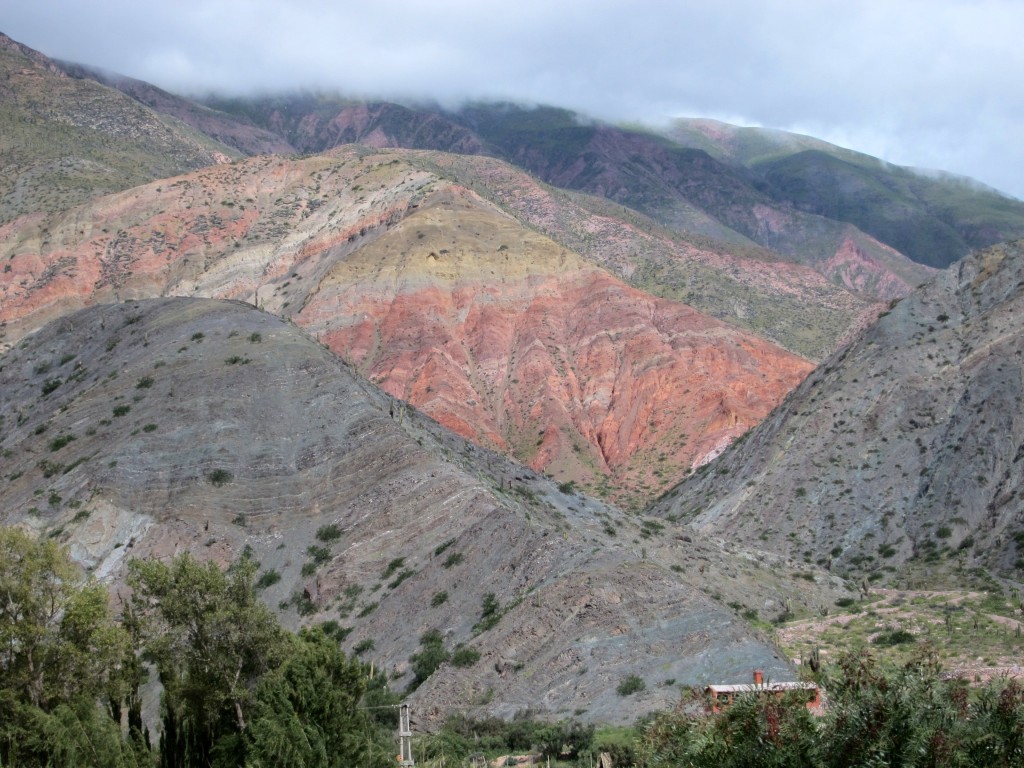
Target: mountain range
585, 398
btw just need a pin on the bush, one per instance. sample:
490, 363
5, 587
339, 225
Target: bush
218, 477
490, 613
363, 646
407, 573
327, 533
893, 637
267, 579
60, 441
453, 559
439, 598
442, 547
630, 685
465, 656
432, 655
320, 555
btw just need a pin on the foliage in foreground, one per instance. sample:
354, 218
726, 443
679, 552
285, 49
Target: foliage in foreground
237, 688
905, 717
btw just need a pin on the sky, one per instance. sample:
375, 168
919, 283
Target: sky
935, 84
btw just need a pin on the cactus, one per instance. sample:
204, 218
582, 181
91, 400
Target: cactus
814, 660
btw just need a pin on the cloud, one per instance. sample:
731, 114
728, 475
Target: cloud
933, 83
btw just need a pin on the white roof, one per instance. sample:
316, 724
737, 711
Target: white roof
754, 687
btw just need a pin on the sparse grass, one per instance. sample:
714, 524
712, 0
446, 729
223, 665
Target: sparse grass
956, 625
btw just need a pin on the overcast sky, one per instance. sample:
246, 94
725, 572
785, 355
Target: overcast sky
931, 83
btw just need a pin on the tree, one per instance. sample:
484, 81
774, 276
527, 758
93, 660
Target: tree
305, 712
432, 655
211, 640
63, 661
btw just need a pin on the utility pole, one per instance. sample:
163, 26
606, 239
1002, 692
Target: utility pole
405, 737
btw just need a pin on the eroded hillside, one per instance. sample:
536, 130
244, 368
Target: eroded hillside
444, 299
899, 459
64, 141
149, 428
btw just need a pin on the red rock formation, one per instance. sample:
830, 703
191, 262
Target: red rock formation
529, 349
496, 331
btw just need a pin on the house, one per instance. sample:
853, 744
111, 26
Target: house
722, 695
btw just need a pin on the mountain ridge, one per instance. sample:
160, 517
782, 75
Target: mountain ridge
149, 428
899, 458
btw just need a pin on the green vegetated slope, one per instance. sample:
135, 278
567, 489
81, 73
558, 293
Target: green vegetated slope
899, 460
64, 141
933, 218
152, 428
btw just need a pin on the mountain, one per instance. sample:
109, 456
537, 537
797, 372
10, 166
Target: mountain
65, 140
150, 428
899, 459
438, 295
683, 189
934, 218
227, 129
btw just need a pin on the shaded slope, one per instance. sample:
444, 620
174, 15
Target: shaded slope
684, 189
317, 123
151, 428
64, 141
900, 458
933, 218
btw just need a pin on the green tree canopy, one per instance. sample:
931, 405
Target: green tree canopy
65, 665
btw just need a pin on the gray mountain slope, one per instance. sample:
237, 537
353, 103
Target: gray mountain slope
151, 428
900, 458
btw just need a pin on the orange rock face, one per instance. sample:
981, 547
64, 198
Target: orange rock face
507, 339
440, 297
